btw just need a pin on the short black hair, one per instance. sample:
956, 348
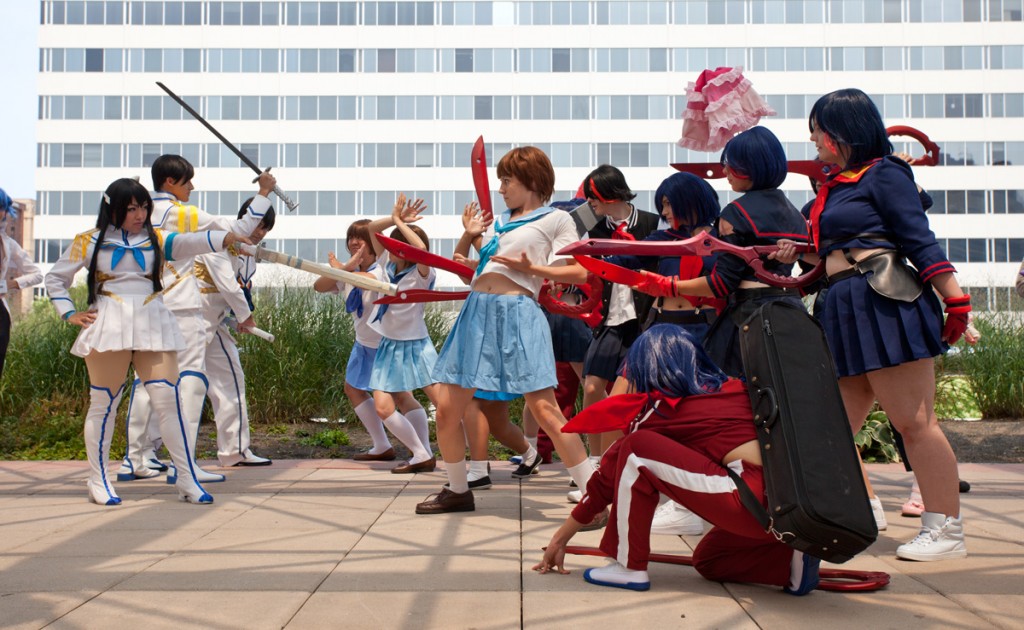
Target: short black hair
758, 155
174, 166
853, 121
269, 217
607, 184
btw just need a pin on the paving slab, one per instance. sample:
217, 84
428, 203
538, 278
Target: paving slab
336, 543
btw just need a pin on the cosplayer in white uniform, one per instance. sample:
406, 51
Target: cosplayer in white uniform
223, 284
13, 261
172, 178
126, 323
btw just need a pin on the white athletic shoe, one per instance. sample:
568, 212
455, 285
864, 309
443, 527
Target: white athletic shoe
614, 574
673, 519
574, 496
941, 538
879, 513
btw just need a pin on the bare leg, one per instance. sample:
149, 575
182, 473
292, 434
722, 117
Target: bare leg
858, 399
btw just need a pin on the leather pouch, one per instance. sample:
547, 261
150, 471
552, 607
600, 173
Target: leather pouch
891, 276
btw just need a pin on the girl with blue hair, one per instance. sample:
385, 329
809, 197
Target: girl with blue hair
13, 261
755, 165
687, 426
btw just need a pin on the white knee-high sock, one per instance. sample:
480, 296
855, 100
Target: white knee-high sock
458, 482
406, 434
367, 414
418, 418
581, 473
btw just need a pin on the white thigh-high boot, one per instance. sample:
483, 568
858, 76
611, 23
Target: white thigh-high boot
227, 398
99, 432
191, 394
137, 442
175, 431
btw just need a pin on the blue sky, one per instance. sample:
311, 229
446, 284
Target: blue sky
18, 105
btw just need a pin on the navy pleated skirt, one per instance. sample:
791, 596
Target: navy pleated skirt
570, 337
867, 331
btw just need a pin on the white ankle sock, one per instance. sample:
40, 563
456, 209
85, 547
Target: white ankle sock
581, 473
532, 441
418, 418
530, 455
477, 469
915, 494
457, 480
367, 414
406, 434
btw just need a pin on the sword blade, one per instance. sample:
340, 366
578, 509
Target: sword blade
608, 271
423, 257
478, 165
410, 296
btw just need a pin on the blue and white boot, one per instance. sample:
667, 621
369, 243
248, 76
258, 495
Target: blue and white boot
615, 575
99, 432
164, 398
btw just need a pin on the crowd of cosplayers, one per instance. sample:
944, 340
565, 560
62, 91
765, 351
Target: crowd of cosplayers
672, 444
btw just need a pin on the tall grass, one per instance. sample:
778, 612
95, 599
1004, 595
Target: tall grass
994, 368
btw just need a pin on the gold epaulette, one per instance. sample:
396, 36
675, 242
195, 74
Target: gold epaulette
188, 218
81, 244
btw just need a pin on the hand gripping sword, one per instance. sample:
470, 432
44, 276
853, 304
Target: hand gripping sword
292, 205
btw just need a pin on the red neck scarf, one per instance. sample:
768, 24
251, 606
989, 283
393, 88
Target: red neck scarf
846, 177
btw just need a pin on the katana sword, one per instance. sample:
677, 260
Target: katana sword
416, 296
356, 280
241, 156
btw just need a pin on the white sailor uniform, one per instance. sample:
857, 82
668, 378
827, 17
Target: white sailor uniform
13, 261
129, 316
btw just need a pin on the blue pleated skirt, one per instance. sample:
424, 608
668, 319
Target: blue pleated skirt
402, 366
499, 343
360, 366
867, 331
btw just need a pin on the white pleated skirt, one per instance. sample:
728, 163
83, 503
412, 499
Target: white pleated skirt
130, 323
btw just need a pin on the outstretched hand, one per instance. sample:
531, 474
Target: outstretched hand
473, 221
472, 263
521, 264
553, 560
406, 210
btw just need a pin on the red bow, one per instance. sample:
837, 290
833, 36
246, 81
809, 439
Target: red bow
846, 177
621, 234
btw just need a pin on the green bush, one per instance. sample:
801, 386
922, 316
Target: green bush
875, 440
994, 368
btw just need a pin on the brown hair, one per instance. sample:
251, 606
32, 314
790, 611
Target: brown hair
358, 229
532, 167
398, 236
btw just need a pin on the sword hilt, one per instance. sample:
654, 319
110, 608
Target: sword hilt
292, 205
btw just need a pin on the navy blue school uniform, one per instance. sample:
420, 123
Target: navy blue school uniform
760, 217
696, 321
611, 342
879, 208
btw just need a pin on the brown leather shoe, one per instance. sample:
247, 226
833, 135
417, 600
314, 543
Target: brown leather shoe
447, 501
407, 468
386, 456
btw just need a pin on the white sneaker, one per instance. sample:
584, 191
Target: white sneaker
941, 538
673, 519
614, 574
879, 513
574, 496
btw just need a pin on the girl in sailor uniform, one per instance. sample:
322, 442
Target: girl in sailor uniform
500, 341
359, 305
13, 262
405, 357
127, 323
687, 426
225, 286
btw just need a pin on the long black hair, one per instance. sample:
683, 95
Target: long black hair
852, 120
113, 209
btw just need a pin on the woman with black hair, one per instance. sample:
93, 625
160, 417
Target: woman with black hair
127, 324
882, 318
687, 426
17, 265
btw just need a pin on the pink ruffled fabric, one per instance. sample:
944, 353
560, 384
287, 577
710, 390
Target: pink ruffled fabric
719, 105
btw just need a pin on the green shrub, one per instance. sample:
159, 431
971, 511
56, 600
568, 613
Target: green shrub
328, 438
875, 440
994, 368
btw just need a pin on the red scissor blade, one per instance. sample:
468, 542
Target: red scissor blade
423, 257
411, 296
480, 181
608, 271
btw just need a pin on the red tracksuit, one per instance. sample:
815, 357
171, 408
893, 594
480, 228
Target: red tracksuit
677, 451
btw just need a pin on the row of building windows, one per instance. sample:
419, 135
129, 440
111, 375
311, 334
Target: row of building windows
430, 60
959, 250
487, 107
451, 202
453, 155
525, 12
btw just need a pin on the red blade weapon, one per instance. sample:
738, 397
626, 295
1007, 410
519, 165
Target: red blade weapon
478, 165
423, 257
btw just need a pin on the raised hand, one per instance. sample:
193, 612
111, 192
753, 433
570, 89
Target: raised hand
473, 221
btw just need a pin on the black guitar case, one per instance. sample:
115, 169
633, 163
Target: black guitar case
817, 502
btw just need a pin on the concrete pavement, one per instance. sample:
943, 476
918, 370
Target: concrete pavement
335, 544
